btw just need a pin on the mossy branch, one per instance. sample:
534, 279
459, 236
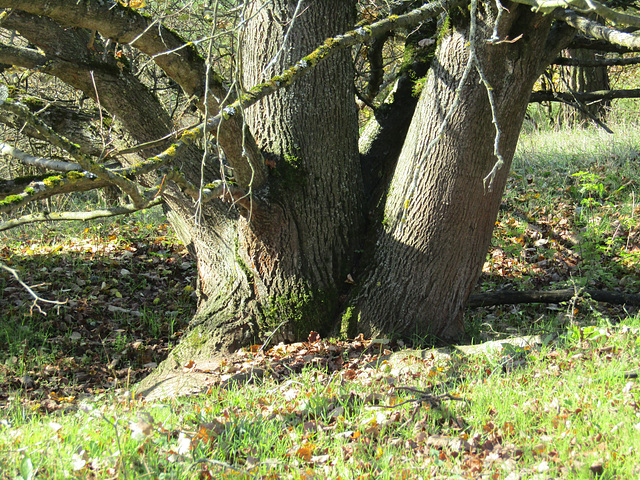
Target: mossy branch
51, 186
71, 216
88, 164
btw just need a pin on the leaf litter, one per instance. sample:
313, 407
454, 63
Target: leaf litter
361, 408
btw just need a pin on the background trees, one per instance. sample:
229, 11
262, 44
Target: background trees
259, 170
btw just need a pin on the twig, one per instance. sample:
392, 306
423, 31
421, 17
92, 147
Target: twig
36, 297
434, 401
266, 342
218, 463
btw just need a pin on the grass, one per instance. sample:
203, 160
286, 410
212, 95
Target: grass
565, 410
129, 290
564, 406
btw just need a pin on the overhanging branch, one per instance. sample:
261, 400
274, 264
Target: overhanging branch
71, 216
38, 161
547, 96
596, 30
51, 186
59, 141
586, 7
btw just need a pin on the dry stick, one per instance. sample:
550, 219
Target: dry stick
550, 296
36, 297
218, 463
603, 62
433, 400
550, 96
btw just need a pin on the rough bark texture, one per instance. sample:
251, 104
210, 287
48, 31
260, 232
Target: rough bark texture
438, 217
280, 269
585, 79
309, 134
382, 138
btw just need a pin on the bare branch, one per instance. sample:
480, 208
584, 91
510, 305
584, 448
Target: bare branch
602, 62
38, 161
585, 6
36, 297
598, 31
546, 96
71, 216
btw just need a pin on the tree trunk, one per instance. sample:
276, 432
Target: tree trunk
439, 218
280, 269
585, 79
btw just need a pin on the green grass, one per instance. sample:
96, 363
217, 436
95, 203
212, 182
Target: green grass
564, 407
563, 410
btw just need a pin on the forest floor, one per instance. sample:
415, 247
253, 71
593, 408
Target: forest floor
341, 408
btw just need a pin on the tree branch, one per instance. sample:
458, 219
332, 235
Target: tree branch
38, 161
587, 7
35, 296
604, 62
70, 216
53, 185
86, 162
553, 296
547, 96
596, 30
178, 58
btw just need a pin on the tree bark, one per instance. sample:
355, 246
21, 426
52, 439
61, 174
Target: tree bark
581, 79
280, 269
438, 217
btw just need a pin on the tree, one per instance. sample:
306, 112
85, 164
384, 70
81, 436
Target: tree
580, 78
293, 229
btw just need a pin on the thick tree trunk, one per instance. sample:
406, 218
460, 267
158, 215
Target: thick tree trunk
280, 268
309, 136
439, 217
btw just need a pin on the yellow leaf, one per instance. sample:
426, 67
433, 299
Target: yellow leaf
306, 451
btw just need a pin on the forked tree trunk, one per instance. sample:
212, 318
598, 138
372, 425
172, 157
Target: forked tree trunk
439, 218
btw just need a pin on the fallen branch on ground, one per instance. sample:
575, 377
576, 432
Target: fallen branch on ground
552, 296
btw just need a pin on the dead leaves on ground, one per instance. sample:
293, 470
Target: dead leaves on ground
129, 294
